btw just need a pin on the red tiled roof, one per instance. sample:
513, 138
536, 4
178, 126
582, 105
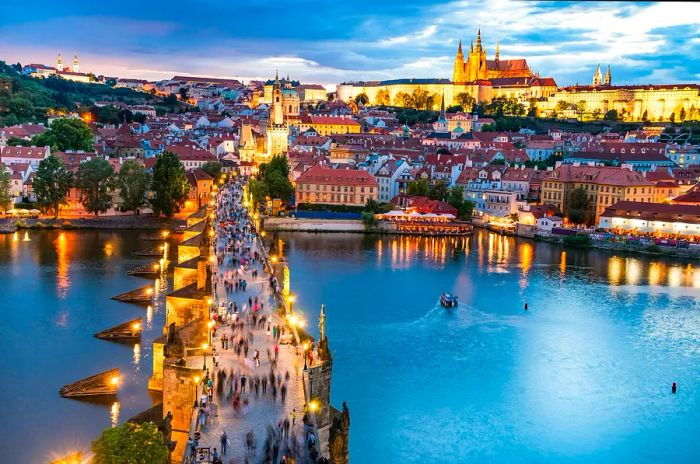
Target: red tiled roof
324, 175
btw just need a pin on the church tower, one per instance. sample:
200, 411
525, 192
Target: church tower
597, 77
76, 66
608, 77
59, 62
476, 62
458, 72
277, 129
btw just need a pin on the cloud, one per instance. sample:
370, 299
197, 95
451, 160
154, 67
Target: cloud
364, 39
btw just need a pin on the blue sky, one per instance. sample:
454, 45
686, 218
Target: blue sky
332, 41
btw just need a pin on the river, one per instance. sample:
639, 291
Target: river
583, 376
56, 295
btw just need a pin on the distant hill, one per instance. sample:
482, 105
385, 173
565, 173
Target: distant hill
27, 99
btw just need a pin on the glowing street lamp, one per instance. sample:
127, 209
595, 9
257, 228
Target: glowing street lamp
165, 233
306, 348
115, 380
205, 346
313, 405
196, 388
210, 325
291, 298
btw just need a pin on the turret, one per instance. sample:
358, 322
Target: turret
76, 66
458, 71
597, 77
478, 40
59, 62
608, 77
497, 57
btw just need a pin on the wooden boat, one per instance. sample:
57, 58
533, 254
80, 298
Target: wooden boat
127, 331
146, 270
448, 300
141, 295
152, 252
102, 384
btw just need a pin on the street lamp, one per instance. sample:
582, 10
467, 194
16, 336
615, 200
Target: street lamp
210, 325
306, 347
204, 347
291, 298
196, 387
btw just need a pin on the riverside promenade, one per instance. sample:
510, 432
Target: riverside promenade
251, 412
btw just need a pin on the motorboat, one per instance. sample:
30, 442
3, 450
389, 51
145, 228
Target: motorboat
448, 300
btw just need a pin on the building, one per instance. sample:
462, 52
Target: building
277, 128
477, 76
656, 219
393, 178
325, 185
330, 125
311, 92
604, 186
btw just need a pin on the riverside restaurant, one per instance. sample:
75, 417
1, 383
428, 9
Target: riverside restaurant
415, 223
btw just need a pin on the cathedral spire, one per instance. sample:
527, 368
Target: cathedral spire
478, 39
442, 108
597, 77
459, 49
498, 51
471, 46
608, 77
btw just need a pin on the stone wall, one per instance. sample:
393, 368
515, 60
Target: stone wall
182, 311
156, 381
179, 393
314, 225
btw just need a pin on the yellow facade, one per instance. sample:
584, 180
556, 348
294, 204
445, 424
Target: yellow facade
330, 129
632, 102
600, 195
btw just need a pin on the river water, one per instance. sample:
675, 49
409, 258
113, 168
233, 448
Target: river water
56, 294
583, 376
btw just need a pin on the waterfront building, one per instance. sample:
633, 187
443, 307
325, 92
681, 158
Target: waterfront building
656, 219
604, 186
393, 178
325, 185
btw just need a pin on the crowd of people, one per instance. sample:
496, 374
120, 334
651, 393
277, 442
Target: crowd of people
244, 324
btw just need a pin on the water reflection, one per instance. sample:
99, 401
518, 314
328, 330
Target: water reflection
137, 354
62, 265
114, 414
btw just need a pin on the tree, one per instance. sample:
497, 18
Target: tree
682, 114
673, 117
130, 444
95, 179
420, 98
383, 98
561, 106
403, 99
439, 191
170, 100
279, 186
611, 115
21, 107
66, 134
362, 99
183, 94
420, 187
213, 168
464, 206
51, 184
169, 185
581, 108
258, 189
5, 196
466, 101
578, 210
133, 182
645, 116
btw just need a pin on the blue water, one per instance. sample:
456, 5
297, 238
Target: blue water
55, 295
583, 376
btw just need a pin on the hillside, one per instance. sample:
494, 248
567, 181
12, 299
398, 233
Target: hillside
26, 99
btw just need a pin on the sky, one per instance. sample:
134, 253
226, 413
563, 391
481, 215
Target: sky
326, 42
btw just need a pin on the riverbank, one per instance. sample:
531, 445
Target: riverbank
10, 225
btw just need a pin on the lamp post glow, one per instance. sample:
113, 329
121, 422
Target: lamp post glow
306, 348
291, 298
204, 347
196, 388
210, 325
